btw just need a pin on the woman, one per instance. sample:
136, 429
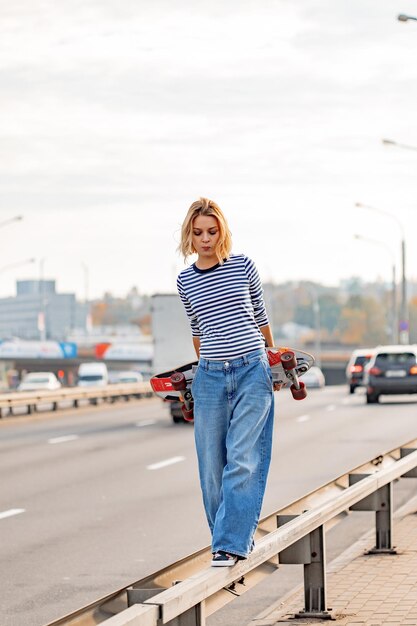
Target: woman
232, 388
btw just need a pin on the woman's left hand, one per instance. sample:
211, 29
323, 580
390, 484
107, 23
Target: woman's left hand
277, 387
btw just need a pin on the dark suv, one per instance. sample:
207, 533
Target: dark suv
392, 370
356, 366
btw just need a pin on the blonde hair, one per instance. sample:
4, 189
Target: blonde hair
204, 206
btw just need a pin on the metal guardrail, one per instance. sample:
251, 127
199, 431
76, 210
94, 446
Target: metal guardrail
31, 399
300, 538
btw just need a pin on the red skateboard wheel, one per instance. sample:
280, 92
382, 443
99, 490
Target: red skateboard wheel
288, 360
299, 394
187, 414
178, 381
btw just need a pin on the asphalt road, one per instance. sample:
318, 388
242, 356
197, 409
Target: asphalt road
94, 499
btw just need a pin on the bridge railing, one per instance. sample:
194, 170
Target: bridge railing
296, 534
31, 399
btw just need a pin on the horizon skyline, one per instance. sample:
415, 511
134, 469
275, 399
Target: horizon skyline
115, 119
378, 281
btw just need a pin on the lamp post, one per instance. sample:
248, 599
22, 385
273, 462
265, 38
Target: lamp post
11, 266
17, 218
405, 18
403, 327
86, 281
88, 323
42, 313
317, 327
404, 146
394, 328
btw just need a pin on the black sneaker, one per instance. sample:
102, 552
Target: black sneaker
223, 559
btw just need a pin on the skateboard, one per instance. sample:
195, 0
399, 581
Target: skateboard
287, 365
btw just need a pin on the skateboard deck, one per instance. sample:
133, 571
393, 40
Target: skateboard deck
287, 365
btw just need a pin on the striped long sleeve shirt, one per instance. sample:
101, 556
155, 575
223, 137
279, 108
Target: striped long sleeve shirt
225, 306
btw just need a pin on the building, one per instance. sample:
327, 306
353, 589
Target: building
39, 312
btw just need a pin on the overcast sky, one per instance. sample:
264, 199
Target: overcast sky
116, 115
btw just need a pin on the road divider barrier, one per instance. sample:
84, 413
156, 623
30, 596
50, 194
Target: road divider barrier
32, 399
188, 591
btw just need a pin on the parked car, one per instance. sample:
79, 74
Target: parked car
126, 377
35, 381
391, 370
356, 367
93, 375
176, 411
314, 378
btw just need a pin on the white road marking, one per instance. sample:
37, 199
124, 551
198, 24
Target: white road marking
63, 439
148, 423
331, 407
161, 464
11, 512
303, 418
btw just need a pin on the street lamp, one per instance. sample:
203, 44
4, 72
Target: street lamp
405, 18
403, 326
17, 218
394, 330
317, 326
86, 297
389, 142
11, 266
42, 313
86, 280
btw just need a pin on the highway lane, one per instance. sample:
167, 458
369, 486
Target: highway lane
95, 499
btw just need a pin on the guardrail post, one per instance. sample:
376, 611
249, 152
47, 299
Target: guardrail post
381, 502
138, 596
192, 617
405, 452
309, 551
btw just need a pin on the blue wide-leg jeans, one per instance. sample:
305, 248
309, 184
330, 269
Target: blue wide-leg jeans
233, 421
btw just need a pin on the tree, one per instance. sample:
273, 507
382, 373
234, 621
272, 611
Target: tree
363, 321
330, 310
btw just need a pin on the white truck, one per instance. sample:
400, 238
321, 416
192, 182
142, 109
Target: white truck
93, 374
172, 339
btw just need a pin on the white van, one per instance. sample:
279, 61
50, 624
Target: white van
93, 375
